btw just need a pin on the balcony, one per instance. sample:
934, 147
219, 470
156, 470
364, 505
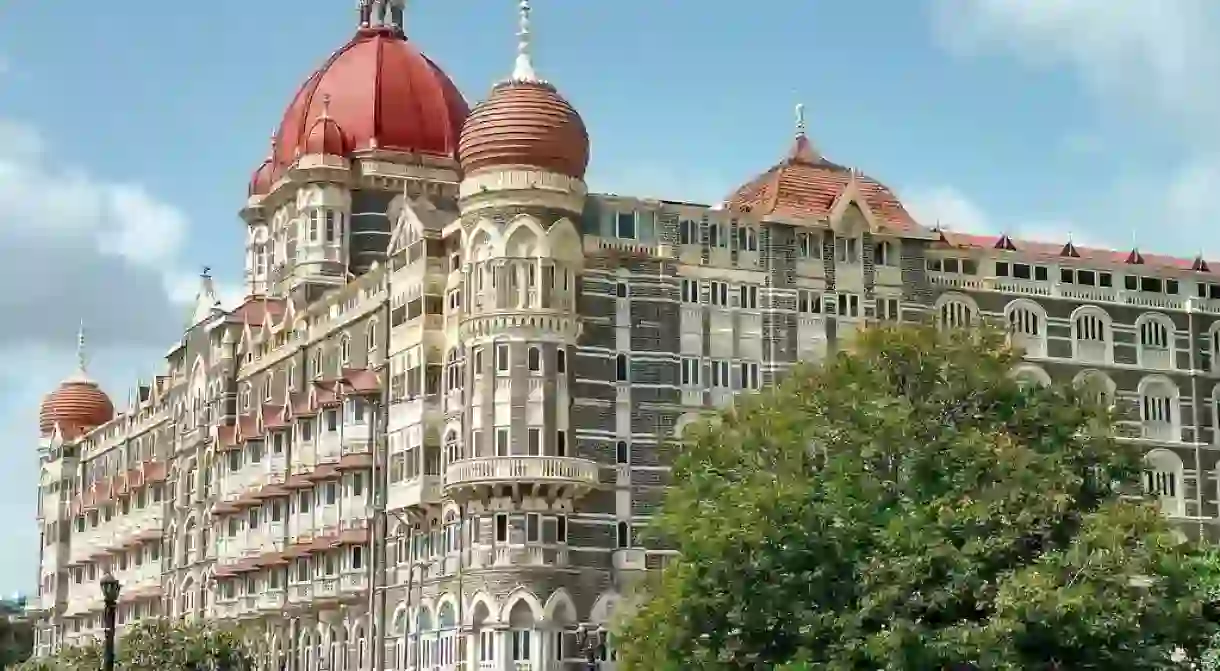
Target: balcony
546, 476
421, 491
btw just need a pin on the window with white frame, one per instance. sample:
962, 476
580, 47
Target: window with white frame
625, 225
720, 374
1157, 411
1024, 321
718, 293
885, 253
1163, 480
849, 305
716, 235
887, 310
747, 239
345, 349
847, 250
690, 291
750, 378
955, 314
808, 301
622, 368
688, 232
1154, 334
747, 297
809, 245
690, 367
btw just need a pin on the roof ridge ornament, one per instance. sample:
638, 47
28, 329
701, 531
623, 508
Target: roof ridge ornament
82, 360
381, 14
523, 70
803, 150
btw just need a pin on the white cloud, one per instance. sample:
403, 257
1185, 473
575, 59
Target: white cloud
75, 247
955, 211
1151, 64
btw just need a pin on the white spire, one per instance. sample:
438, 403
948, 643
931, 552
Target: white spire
82, 362
800, 119
206, 301
524, 70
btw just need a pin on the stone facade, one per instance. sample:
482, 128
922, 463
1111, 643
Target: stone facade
431, 435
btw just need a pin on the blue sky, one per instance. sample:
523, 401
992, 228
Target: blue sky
128, 133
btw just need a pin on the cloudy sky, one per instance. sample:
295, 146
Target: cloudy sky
128, 132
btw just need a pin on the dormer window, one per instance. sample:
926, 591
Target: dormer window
809, 245
747, 239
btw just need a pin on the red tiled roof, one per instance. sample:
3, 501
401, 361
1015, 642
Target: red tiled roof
1054, 251
806, 186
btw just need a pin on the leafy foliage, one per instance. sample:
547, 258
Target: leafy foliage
16, 639
160, 645
909, 505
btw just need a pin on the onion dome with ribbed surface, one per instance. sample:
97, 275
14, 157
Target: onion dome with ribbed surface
379, 92
326, 136
78, 403
525, 122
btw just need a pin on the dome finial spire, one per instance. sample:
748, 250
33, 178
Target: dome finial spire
81, 362
524, 70
800, 119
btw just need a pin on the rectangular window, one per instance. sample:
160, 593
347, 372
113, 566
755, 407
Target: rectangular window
501, 442
502, 358
501, 528
847, 250
750, 378
887, 310
747, 297
849, 305
535, 441
718, 293
690, 291
561, 529
690, 372
720, 374
625, 225
532, 526
688, 232
808, 302
561, 443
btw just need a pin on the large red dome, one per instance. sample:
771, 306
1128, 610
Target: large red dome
383, 93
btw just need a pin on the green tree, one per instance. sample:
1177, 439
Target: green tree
909, 505
161, 645
16, 639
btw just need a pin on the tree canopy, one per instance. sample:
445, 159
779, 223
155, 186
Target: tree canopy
909, 505
159, 645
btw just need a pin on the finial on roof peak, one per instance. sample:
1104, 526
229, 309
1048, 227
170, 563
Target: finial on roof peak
523, 71
81, 362
800, 119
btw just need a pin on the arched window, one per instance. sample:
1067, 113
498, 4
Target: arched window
622, 369
1027, 327
955, 313
423, 638
1158, 409
345, 349
1098, 386
447, 636
1163, 480
534, 359
1029, 374
1091, 335
453, 451
1156, 341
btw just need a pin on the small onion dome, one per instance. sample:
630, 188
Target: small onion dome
78, 403
525, 123
263, 178
326, 137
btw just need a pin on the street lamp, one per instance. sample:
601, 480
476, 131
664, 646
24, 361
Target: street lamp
591, 646
110, 599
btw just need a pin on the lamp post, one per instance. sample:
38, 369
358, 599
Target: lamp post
110, 599
591, 646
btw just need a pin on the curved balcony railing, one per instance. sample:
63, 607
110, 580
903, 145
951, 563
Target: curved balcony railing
563, 472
